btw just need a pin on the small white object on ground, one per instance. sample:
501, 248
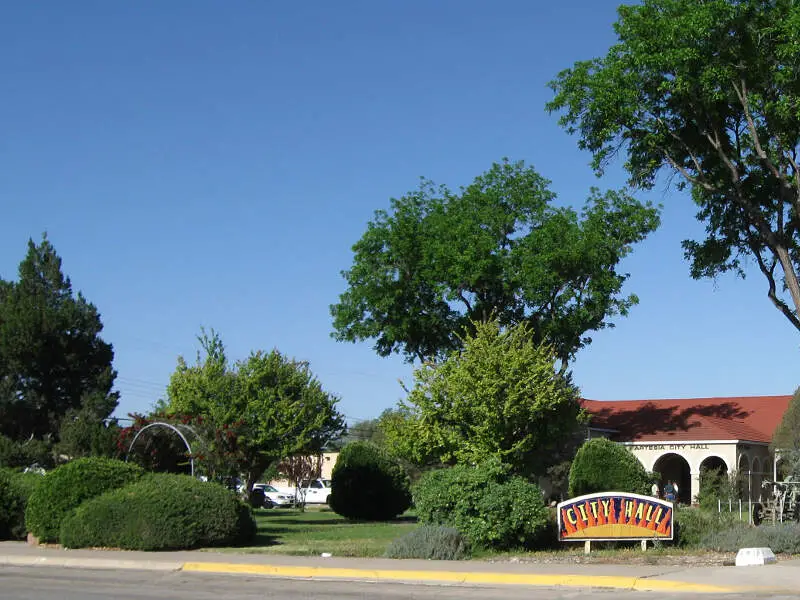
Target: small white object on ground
748, 557
326, 555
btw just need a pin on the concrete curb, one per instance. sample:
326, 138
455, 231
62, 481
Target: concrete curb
433, 577
89, 563
451, 577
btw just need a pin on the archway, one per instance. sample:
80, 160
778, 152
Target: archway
714, 482
714, 463
673, 467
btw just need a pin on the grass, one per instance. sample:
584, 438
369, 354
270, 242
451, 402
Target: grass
318, 530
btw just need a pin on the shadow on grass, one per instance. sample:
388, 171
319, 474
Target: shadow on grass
264, 539
301, 521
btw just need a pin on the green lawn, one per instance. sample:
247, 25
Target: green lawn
283, 531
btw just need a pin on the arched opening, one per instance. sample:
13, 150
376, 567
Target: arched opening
715, 483
714, 463
674, 468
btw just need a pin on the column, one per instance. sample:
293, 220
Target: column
694, 477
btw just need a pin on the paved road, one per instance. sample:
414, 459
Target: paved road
48, 583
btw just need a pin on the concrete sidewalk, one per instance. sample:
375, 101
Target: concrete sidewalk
783, 577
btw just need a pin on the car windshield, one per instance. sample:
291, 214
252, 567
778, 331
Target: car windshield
326, 483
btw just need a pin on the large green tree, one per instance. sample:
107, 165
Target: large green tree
272, 405
52, 358
786, 438
708, 90
499, 249
500, 396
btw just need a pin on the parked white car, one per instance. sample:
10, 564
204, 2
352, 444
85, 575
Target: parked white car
315, 491
274, 497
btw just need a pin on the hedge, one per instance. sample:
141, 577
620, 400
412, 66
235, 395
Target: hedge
601, 465
487, 504
368, 484
67, 486
160, 512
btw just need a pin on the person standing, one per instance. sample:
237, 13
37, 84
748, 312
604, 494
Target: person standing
654, 490
669, 492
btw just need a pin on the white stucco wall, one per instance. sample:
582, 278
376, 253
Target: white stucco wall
752, 460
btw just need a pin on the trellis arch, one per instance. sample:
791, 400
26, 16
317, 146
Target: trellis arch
176, 429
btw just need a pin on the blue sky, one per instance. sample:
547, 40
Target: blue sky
208, 163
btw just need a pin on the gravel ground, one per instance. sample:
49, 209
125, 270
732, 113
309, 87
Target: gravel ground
651, 557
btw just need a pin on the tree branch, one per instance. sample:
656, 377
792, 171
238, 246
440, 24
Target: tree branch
694, 180
742, 94
690, 178
769, 273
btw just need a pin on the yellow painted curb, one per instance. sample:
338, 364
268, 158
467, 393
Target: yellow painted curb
606, 581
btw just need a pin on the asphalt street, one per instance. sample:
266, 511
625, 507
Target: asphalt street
48, 583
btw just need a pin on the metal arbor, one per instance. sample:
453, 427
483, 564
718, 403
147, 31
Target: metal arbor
175, 428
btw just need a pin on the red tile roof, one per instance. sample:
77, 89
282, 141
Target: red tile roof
749, 418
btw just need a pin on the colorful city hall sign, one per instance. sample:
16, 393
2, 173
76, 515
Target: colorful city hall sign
614, 516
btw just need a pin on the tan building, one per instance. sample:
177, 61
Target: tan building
320, 467
680, 438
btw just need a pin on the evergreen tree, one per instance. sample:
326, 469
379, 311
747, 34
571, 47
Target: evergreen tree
52, 358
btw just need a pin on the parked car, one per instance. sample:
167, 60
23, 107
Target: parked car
274, 498
315, 491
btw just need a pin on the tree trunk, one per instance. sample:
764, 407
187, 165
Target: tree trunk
790, 276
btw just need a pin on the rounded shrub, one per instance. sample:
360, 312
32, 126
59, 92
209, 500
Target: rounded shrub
601, 465
66, 487
368, 484
487, 504
430, 542
160, 512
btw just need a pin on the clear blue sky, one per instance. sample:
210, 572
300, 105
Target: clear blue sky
202, 163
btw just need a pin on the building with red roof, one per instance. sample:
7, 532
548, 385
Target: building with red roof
678, 438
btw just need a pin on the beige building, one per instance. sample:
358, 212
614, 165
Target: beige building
680, 438
319, 467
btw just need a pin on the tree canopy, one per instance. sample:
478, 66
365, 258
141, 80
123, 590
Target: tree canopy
786, 438
438, 261
501, 396
709, 91
52, 358
271, 406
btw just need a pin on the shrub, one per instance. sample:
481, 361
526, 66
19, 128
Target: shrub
15, 488
715, 485
431, 542
66, 487
601, 465
368, 484
781, 538
487, 504
11, 507
160, 512
693, 525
